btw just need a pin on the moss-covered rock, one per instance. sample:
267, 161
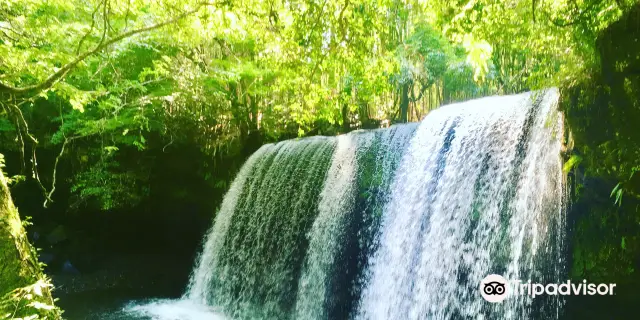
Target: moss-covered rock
24, 289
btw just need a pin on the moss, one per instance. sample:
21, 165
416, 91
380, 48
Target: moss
24, 289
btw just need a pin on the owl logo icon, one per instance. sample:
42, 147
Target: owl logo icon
493, 288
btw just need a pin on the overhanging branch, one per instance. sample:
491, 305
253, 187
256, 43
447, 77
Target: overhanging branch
33, 90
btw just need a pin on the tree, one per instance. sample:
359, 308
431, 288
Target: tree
18, 95
24, 290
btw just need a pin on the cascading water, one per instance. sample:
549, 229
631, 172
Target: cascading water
479, 192
398, 223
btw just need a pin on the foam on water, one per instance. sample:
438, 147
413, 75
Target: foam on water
172, 310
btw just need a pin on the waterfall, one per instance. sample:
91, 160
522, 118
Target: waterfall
253, 255
478, 192
342, 232
397, 223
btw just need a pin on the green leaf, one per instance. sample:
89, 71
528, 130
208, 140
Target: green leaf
111, 149
615, 189
618, 191
77, 105
573, 161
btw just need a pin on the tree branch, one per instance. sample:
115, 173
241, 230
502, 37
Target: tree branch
105, 22
33, 90
55, 169
23, 128
93, 23
333, 43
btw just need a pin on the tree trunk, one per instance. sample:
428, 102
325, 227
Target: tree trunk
365, 118
404, 103
21, 279
346, 124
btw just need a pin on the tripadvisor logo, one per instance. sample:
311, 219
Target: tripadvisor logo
495, 288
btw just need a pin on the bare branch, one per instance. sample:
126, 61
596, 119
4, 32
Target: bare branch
55, 169
48, 196
23, 129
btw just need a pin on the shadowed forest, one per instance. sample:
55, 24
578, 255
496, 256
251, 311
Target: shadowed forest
123, 124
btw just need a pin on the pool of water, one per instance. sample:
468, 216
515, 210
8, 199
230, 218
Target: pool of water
129, 305
169, 310
143, 286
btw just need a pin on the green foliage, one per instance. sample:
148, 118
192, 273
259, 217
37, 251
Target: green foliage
530, 44
214, 78
602, 112
571, 163
10, 180
30, 302
479, 54
217, 74
617, 193
226, 76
